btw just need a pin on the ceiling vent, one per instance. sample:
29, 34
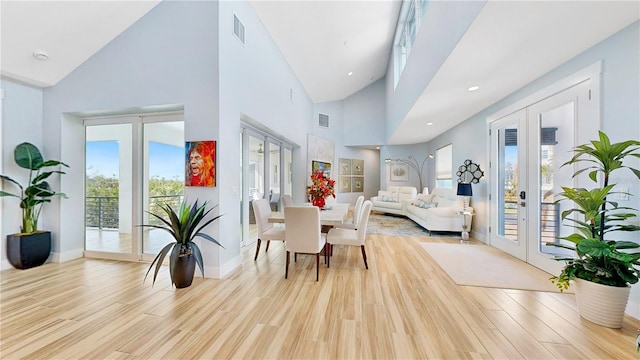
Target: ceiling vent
323, 120
238, 29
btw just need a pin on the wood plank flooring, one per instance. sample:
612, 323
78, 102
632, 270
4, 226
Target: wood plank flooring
403, 307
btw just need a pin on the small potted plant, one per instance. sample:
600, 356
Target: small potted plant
603, 268
184, 225
31, 247
321, 187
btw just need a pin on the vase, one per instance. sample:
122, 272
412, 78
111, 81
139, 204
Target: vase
25, 251
184, 270
318, 201
601, 304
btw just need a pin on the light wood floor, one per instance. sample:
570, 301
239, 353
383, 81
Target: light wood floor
404, 306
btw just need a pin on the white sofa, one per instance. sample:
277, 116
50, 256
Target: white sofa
394, 199
439, 211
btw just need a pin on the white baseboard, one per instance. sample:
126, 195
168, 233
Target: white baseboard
5, 265
479, 236
59, 257
218, 272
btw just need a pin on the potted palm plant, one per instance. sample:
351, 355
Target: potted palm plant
31, 247
184, 225
603, 268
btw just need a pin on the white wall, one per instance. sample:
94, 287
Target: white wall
170, 56
21, 121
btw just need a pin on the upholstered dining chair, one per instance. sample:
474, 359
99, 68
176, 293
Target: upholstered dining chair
266, 230
355, 220
286, 201
302, 234
352, 237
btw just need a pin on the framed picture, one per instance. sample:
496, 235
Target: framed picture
344, 184
345, 167
200, 163
357, 184
325, 167
357, 167
399, 172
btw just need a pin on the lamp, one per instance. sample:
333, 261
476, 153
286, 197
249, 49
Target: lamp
464, 189
413, 162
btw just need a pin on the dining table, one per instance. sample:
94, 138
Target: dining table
331, 215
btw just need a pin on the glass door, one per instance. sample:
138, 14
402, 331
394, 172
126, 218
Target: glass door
109, 223
163, 177
133, 165
508, 230
528, 149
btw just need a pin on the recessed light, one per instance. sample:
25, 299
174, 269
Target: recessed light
377, 147
350, 73
429, 123
41, 55
473, 88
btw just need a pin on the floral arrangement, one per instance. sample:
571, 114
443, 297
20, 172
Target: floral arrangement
320, 188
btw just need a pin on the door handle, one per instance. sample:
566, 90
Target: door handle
523, 204
523, 195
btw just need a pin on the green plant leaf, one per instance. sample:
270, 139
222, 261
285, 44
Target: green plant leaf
27, 156
3, 177
158, 261
198, 254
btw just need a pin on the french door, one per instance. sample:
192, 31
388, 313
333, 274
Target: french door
134, 164
528, 148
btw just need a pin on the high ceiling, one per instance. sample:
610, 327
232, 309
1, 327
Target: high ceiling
509, 44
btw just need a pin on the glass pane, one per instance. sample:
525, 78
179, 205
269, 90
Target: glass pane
163, 181
508, 182
556, 141
274, 176
108, 183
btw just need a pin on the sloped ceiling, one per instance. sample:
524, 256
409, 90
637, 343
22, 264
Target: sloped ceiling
508, 45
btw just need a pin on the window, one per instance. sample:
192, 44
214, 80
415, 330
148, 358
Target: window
444, 161
409, 22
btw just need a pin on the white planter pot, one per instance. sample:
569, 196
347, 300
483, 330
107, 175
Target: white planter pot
601, 304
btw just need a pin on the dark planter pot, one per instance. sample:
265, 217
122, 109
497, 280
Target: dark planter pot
183, 273
25, 251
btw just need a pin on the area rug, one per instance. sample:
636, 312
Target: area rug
485, 266
387, 224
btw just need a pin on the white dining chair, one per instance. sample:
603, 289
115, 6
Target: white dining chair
266, 230
302, 234
286, 201
355, 219
352, 237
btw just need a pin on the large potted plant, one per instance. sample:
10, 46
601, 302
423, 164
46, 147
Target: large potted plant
31, 247
184, 225
603, 268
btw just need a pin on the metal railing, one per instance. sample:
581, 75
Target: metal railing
549, 221
102, 212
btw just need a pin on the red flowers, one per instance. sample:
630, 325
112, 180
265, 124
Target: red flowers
321, 186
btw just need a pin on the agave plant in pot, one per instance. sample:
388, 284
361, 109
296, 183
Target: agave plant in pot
184, 225
604, 266
31, 247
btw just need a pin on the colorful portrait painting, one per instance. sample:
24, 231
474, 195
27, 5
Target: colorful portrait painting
200, 168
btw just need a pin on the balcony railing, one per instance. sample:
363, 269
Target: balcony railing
102, 212
549, 221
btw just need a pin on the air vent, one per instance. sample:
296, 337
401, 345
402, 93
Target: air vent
238, 29
323, 120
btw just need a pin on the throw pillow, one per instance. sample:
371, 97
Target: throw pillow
425, 204
388, 198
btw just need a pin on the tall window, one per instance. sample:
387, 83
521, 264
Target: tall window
406, 31
444, 161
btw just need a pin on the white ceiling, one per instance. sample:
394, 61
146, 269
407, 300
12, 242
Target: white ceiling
70, 32
508, 45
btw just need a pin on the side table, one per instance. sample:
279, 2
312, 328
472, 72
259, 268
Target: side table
465, 226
